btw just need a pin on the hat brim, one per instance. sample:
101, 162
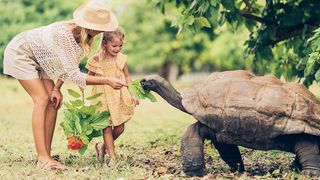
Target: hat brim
112, 25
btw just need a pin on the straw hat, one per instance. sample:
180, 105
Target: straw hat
95, 16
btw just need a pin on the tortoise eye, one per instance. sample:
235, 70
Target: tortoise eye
143, 81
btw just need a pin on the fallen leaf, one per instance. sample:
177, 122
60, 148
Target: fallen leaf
162, 171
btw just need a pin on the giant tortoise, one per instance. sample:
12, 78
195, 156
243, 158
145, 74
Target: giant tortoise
236, 108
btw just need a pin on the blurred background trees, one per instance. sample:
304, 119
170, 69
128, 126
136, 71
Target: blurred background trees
183, 36
20, 15
282, 37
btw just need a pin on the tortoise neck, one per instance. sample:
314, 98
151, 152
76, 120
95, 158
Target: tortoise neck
170, 94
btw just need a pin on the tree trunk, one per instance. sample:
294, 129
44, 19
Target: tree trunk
169, 71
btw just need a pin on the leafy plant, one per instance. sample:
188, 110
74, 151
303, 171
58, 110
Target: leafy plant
82, 122
138, 92
279, 31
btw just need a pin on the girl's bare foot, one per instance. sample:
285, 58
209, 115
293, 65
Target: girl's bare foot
100, 151
112, 163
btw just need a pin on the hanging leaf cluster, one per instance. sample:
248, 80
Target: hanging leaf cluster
138, 92
83, 122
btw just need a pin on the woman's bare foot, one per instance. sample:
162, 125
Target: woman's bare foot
100, 151
51, 164
56, 157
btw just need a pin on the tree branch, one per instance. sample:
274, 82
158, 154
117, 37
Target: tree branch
289, 32
255, 18
248, 5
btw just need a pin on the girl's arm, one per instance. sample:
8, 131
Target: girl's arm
92, 79
128, 81
126, 74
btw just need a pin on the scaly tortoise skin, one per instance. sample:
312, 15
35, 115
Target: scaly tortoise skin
236, 108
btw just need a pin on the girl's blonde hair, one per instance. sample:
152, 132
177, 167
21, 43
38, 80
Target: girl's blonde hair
109, 34
107, 37
86, 40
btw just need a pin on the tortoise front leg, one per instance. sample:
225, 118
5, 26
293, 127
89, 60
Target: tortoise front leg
307, 151
231, 155
192, 151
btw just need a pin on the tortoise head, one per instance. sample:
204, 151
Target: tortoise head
152, 82
161, 86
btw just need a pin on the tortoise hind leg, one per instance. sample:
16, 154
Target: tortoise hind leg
192, 151
306, 149
231, 155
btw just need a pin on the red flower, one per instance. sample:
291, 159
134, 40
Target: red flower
79, 143
74, 143
69, 136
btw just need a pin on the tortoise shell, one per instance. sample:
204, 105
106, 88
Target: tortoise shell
243, 108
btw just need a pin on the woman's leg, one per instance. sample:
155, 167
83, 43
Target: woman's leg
109, 142
36, 89
51, 115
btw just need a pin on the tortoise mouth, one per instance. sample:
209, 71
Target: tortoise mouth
145, 85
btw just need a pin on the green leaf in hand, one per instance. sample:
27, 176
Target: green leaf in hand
138, 92
151, 97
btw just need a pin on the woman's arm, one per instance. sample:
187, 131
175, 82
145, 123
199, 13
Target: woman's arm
56, 96
58, 85
111, 81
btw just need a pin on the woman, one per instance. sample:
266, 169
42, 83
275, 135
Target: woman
37, 56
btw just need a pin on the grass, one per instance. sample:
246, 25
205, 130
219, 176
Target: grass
148, 149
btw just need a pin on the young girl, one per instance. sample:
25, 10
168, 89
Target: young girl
110, 62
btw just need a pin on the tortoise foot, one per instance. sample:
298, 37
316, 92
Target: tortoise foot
311, 172
237, 167
196, 172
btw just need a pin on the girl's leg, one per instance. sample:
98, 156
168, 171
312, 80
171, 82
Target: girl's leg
101, 147
36, 89
109, 142
51, 115
117, 131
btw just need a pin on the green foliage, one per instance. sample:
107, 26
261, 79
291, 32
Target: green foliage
152, 41
138, 92
83, 121
274, 26
313, 61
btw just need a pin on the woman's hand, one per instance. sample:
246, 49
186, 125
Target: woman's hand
56, 98
115, 83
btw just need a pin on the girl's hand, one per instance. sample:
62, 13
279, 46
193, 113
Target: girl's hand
56, 98
115, 83
134, 101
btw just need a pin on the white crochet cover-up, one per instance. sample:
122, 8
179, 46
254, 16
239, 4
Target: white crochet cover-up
57, 52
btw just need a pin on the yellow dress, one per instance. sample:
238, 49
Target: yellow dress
117, 102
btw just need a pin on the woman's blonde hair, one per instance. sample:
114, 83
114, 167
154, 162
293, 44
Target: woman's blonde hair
107, 37
86, 40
